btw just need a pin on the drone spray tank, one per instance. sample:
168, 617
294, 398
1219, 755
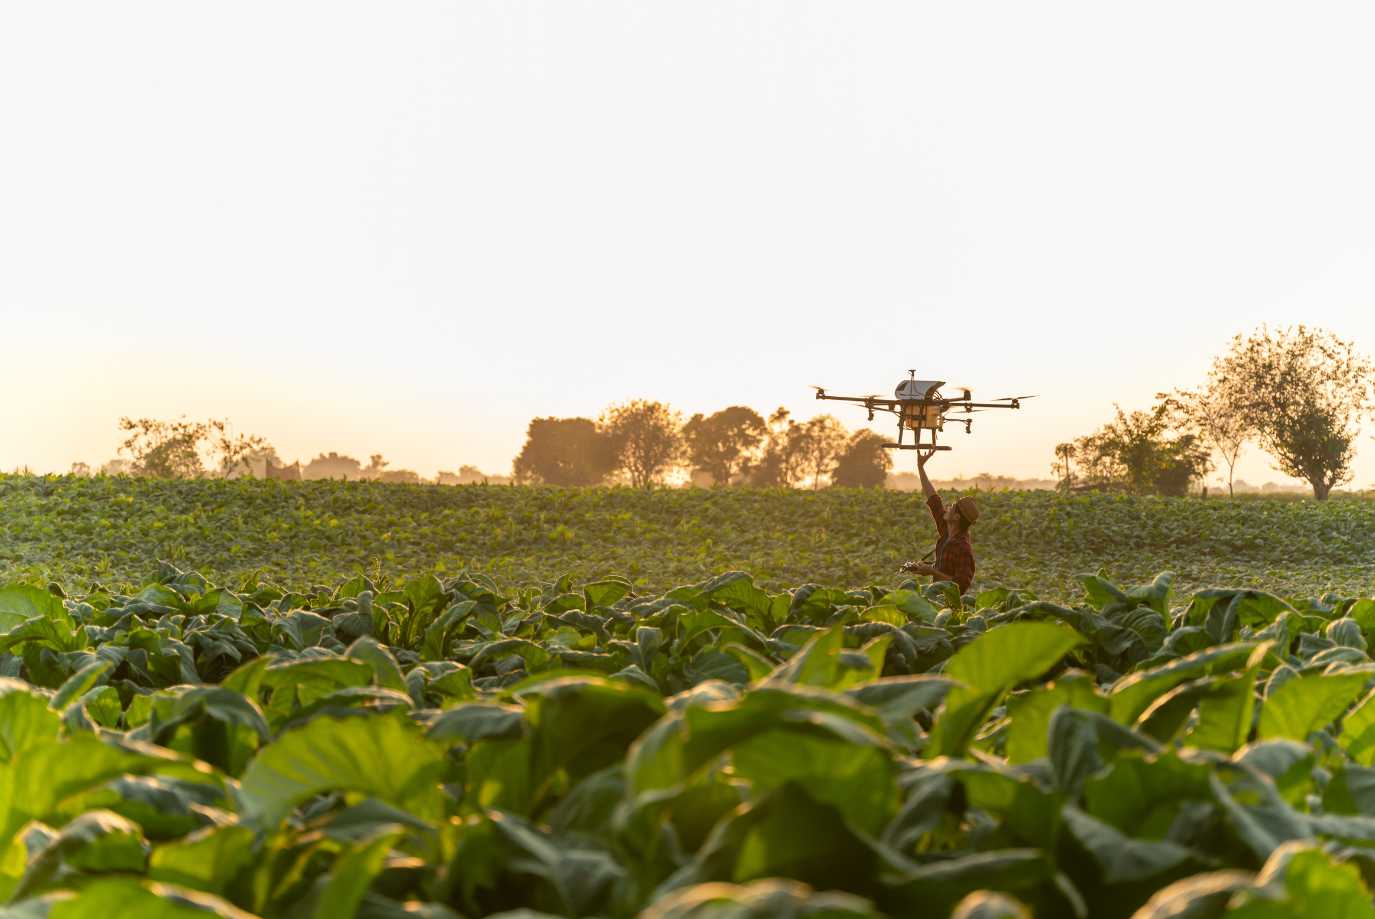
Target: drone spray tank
919, 409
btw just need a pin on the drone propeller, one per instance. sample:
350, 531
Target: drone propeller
1011, 398
818, 388
970, 411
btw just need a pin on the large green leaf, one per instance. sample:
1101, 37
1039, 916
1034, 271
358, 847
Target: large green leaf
478, 721
1141, 795
130, 898
95, 841
1302, 882
677, 746
1351, 790
35, 781
989, 668
575, 878
318, 675
162, 805
1072, 745
1205, 894
935, 888
1259, 816
1030, 713
19, 602
1302, 706
25, 720
60, 634
439, 632
376, 756
1137, 691
79, 682
898, 698
856, 779
771, 898
386, 670
1023, 807
1226, 711
354, 871
606, 592
583, 724
1120, 857
1358, 732
787, 834
206, 860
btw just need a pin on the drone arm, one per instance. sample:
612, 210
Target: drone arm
822, 394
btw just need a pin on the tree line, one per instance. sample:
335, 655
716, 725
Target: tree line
644, 442
1298, 393
183, 449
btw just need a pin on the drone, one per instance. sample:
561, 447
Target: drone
920, 407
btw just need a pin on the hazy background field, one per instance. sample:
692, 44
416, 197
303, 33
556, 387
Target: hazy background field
112, 529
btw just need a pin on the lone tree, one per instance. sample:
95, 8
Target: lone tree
1064, 456
724, 443
1303, 391
646, 439
863, 463
797, 452
237, 452
778, 462
177, 449
164, 449
821, 444
1212, 414
564, 451
1134, 453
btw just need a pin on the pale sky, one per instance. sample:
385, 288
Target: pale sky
409, 228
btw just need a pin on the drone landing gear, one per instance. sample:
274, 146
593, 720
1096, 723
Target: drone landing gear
916, 435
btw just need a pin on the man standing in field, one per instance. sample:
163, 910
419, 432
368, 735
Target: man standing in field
954, 554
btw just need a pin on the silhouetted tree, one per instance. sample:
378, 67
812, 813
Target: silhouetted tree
178, 449
164, 449
1136, 454
780, 463
565, 451
821, 443
646, 439
237, 452
864, 463
335, 465
1303, 391
1212, 414
1064, 456
724, 443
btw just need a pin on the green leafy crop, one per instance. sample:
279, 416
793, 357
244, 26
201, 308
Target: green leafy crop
445, 746
84, 531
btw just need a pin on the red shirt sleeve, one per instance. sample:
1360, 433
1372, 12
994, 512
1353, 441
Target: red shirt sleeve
937, 507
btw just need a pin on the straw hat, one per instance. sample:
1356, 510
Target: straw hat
968, 508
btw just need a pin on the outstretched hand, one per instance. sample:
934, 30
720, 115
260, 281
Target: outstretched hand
923, 456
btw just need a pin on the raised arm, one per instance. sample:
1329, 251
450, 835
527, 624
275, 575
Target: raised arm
926, 486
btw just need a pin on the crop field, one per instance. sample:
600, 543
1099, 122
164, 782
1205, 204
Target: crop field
445, 747
108, 530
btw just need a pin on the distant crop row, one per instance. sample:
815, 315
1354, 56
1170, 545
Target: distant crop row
445, 747
107, 529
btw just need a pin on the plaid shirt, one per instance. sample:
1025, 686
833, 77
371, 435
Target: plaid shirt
954, 555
